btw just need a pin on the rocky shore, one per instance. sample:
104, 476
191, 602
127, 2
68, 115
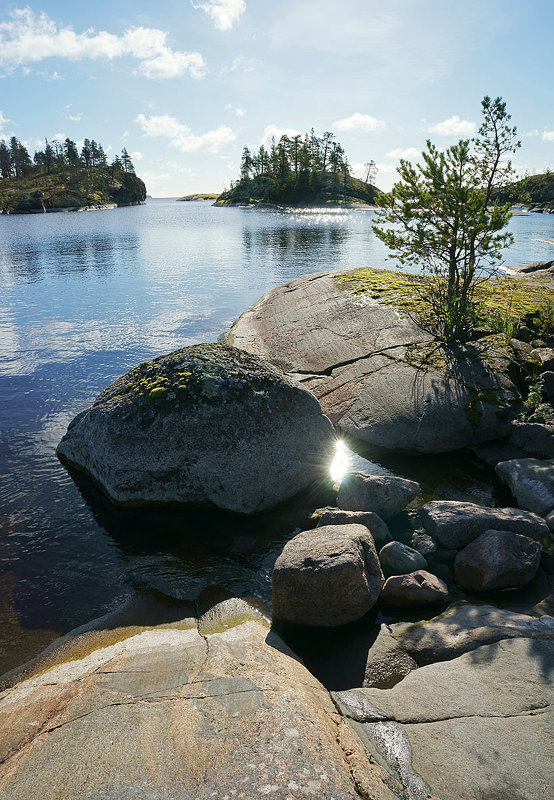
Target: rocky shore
209, 700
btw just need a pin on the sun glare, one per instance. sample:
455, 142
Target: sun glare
340, 463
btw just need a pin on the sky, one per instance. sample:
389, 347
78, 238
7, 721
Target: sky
185, 85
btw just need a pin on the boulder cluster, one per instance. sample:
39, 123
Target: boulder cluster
336, 572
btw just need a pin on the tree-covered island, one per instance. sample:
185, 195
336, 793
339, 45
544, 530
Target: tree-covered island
60, 178
299, 171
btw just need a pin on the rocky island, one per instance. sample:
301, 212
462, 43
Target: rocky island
58, 178
300, 171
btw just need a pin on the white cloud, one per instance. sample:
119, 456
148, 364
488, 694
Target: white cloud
548, 136
169, 64
27, 37
136, 155
359, 122
409, 153
223, 12
271, 131
3, 122
240, 63
182, 137
240, 112
453, 126
75, 117
125, 135
528, 134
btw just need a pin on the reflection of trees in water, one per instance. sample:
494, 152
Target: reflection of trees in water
286, 246
64, 255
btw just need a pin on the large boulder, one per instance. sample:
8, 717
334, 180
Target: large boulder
479, 726
398, 559
531, 482
497, 560
455, 524
385, 495
326, 577
373, 522
377, 375
182, 710
207, 424
417, 588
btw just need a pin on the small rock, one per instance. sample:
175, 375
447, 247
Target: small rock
544, 355
424, 543
378, 529
398, 559
534, 438
549, 519
384, 495
548, 385
497, 560
326, 577
455, 524
415, 588
387, 662
531, 482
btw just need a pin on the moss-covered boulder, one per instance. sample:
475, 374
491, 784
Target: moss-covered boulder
207, 424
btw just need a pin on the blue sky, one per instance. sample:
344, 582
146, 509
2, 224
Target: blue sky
184, 85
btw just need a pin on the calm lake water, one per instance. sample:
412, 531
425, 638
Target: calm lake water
86, 296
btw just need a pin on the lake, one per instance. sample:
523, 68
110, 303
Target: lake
86, 296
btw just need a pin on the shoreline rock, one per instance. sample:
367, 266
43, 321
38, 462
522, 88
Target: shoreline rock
207, 424
352, 350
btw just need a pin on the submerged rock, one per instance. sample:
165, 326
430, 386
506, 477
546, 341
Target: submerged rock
455, 524
326, 577
377, 375
207, 424
180, 711
531, 482
497, 560
385, 495
417, 588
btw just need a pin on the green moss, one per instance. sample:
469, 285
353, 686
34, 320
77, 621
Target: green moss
157, 393
514, 298
479, 396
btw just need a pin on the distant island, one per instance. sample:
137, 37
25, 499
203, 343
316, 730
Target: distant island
60, 178
200, 196
536, 192
300, 171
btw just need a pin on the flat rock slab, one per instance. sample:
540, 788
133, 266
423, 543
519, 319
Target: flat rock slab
377, 376
479, 726
402, 646
531, 482
175, 713
455, 524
